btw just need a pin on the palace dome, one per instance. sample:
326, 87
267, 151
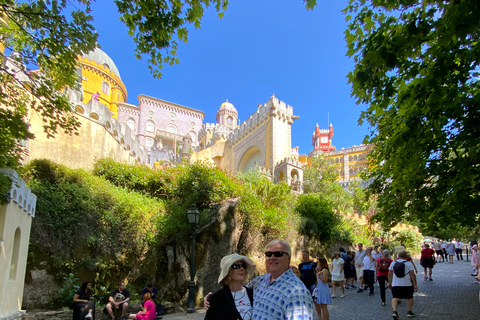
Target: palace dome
99, 56
227, 106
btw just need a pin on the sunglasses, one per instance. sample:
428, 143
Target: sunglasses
238, 266
277, 254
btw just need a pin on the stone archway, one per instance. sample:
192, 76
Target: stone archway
251, 158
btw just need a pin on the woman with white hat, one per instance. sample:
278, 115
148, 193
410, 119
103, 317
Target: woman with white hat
233, 301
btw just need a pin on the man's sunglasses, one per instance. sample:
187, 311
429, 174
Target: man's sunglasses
277, 254
238, 266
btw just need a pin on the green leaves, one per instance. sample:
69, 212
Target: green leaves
413, 69
45, 39
154, 24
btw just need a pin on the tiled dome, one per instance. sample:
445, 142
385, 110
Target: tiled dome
99, 56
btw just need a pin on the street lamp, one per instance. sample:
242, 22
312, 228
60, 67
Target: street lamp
193, 216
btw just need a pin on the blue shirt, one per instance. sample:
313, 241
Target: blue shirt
285, 298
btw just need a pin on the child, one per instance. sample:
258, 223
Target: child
323, 292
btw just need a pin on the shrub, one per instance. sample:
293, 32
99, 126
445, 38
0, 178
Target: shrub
317, 217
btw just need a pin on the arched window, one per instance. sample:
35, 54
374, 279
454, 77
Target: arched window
150, 126
105, 87
193, 136
171, 128
131, 124
149, 142
15, 254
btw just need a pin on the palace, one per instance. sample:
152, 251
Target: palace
157, 131
349, 161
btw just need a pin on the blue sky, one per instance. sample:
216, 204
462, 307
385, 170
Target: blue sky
260, 48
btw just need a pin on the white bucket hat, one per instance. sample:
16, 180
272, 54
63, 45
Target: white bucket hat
227, 262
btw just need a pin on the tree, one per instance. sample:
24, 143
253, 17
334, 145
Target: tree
318, 220
40, 43
416, 70
319, 174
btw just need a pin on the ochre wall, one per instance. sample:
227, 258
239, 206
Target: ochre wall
80, 151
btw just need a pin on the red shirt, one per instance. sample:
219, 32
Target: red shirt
427, 253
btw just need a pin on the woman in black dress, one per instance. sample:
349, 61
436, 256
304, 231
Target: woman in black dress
83, 303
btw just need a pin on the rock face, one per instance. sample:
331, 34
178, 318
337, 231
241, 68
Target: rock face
223, 235
39, 290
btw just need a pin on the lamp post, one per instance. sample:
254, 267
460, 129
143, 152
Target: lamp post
193, 216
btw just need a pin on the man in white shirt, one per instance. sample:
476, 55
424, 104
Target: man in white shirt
359, 255
458, 250
402, 286
369, 265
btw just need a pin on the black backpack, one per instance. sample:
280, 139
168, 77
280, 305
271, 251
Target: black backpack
399, 269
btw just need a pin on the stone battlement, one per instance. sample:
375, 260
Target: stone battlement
20, 193
273, 107
100, 113
290, 161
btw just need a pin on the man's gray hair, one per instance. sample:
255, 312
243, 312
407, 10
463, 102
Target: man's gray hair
402, 254
288, 250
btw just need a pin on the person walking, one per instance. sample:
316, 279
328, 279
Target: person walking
458, 250
427, 261
437, 245
307, 271
323, 292
383, 264
359, 255
450, 251
338, 277
369, 270
403, 282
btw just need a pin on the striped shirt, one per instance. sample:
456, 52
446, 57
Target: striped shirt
285, 298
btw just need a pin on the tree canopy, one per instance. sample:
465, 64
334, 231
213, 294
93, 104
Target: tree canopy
416, 70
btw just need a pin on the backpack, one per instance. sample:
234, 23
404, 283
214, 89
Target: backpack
399, 269
384, 265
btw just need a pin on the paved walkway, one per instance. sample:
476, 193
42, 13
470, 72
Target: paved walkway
451, 295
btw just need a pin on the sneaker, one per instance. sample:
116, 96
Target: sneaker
426, 278
342, 296
88, 316
430, 279
353, 287
370, 294
347, 288
395, 315
360, 290
410, 314
334, 295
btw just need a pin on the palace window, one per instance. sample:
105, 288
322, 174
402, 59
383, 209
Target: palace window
171, 128
131, 124
150, 126
105, 87
149, 142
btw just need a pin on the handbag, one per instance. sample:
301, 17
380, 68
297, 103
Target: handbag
315, 293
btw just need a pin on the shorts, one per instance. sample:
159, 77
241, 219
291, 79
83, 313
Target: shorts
359, 272
402, 292
439, 252
427, 262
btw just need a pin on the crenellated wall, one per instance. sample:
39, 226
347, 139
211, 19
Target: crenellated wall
99, 136
15, 222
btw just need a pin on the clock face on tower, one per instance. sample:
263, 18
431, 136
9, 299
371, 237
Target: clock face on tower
324, 139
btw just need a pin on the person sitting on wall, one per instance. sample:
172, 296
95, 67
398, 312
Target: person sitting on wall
118, 300
83, 303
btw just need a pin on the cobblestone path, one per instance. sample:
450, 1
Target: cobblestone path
451, 295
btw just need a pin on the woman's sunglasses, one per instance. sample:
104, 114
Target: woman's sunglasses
239, 265
277, 254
